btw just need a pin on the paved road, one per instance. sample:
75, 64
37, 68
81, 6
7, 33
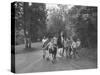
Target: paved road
32, 61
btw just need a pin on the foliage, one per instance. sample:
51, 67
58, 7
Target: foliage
31, 19
85, 24
77, 22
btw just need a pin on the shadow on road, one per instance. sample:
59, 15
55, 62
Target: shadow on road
27, 50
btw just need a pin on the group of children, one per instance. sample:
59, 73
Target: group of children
51, 48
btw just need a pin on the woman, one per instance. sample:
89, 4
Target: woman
60, 43
44, 45
73, 47
69, 49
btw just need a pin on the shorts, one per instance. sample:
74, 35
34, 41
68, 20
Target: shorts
50, 50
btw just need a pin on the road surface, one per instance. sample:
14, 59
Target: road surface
30, 60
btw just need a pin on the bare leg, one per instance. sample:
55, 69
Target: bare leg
44, 53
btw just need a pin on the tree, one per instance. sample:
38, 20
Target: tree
85, 23
35, 17
77, 22
30, 18
18, 22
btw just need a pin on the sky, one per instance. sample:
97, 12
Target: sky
49, 6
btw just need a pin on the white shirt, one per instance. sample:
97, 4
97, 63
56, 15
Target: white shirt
55, 40
44, 40
78, 43
74, 45
50, 45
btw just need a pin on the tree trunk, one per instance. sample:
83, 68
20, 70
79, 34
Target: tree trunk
25, 38
26, 44
29, 42
26, 22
